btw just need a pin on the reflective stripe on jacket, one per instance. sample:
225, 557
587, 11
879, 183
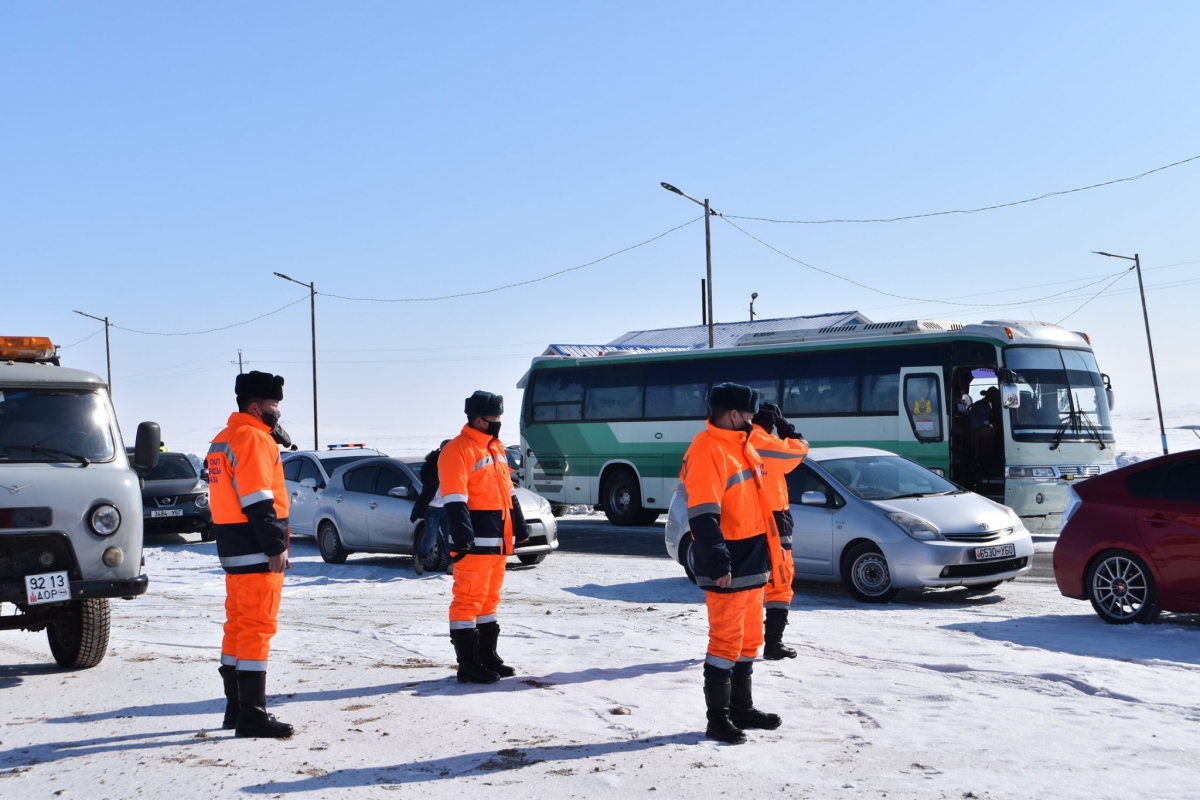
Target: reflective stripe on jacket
721, 481
482, 513
247, 495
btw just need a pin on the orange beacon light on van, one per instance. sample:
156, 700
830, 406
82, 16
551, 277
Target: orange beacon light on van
26, 348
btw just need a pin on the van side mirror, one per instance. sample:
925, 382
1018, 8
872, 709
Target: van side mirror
1010, 395
399, 491
145, 451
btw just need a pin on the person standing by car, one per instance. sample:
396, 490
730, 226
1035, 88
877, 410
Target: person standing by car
250, 515
736, 550
780, 455
484, 520
428, 505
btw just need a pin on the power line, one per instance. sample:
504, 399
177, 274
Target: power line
213, 330
1097, 294
84, 339
970, 210
908, 297
520, 283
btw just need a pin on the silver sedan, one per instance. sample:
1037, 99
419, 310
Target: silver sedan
880, 523
366, 508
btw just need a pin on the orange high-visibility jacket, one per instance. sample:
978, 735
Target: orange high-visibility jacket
779, 457
248, 496
721, 481
482, 511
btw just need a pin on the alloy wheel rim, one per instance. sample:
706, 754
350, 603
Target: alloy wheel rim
871, 574
1120, 587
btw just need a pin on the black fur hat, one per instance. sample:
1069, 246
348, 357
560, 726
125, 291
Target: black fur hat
484, 404
733, 397
259, 384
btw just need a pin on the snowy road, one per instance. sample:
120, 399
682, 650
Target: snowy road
1019, 694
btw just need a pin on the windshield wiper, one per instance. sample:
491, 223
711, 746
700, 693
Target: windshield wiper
914, 494
37, 448
1073, 419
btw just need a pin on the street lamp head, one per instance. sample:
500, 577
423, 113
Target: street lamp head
754, 295
670, 188
285, 277
1112, 255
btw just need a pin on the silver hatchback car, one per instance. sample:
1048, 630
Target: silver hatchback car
880, 523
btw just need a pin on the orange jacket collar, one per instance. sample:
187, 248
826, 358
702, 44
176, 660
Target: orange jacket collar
476, 435
727, 435
239, 418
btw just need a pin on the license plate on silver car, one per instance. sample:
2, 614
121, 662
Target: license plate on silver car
999, 551
169, 512
49, 587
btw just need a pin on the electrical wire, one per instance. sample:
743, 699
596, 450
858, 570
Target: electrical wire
1139, 176
213, 330
520, 283
1097, 294
908, 297
81, 341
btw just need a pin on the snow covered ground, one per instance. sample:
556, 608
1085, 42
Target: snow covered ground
1020, 694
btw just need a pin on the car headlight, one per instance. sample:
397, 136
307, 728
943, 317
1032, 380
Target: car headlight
202, 500
915, 526
543, 505
105, 520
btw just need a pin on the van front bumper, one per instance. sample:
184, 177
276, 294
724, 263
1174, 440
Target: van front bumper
14, 591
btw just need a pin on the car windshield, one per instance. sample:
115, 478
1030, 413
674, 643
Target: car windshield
1062, 396
172, 468
55, 425
886, 477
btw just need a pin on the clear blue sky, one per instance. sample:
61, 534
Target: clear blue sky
158, 163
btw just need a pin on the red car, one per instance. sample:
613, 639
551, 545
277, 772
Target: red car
1131, 540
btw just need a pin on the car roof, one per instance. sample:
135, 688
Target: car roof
366, 462
820, 454
365, 452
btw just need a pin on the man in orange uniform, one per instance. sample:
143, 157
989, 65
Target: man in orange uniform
780, 454
250, 514
735, 544
484, 520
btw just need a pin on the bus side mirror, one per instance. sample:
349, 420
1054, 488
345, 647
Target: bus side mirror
1010, 395
1111, 396
145, 451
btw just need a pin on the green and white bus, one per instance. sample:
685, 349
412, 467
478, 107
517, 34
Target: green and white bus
609, 430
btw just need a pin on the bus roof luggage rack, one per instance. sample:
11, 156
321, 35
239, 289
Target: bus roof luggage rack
850, 331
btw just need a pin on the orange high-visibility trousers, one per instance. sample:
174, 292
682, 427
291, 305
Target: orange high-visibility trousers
251, 619
780, 596
477, 582
735, 627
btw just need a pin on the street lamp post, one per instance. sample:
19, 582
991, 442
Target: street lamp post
107, 345
312, 289
1137, 263
707, 250
753, 297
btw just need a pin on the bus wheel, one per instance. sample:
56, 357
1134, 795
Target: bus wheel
79, 639
622, 498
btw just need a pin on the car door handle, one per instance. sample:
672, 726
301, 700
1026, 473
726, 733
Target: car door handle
372, 504
339, 498
1157, 520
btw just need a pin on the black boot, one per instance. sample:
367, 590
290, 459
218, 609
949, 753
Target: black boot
741, 704
716, 698
775, 649
466, 649
253, 719
489, 632
229, 676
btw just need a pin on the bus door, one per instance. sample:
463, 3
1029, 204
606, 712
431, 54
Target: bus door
976, 438
923, 425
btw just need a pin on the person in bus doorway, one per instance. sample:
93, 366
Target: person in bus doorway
484, 520
736, 549
429, 506
250, 514
781, 449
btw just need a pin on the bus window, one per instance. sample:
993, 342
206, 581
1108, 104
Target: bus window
677, 401
837, 394
881, 393
558, 395
614, 402
922, 399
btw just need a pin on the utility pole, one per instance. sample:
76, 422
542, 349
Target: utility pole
1137, 263
240, 363
107, 345
753, 297
312, 297
703, 302
708, 212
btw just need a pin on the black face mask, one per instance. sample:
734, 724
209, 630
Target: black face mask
747, 425
269, 419
493, 429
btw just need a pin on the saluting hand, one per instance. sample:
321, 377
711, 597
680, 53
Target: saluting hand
724, 581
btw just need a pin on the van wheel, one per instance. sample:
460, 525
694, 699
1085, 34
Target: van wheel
1121, 588
531, 559
208, 534
622, 498
866, 576
687, 557
330, 543
79, 639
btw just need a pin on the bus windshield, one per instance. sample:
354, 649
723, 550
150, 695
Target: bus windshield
55, 425
1062, 396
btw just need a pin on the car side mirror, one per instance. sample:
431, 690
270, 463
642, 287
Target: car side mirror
399, 491
1010, 395
814, 499
145, 451
204, 474
309, 483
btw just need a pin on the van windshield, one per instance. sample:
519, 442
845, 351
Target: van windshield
1062, 396
55, 425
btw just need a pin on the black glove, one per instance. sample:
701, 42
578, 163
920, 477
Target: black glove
786, 430
281, 437
766, 416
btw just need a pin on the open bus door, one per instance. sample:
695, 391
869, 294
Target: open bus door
924, 426
976, 432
